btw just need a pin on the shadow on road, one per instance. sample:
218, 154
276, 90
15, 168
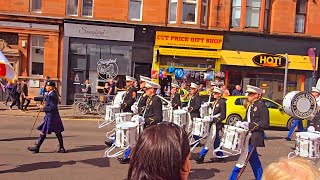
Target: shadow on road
27, 138
88, 148
274, 138
99, 162
203, 173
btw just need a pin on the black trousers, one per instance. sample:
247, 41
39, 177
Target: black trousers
16, 100
23, 101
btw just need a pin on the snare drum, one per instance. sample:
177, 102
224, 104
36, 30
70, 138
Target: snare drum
233, 138
123, 117
200, 127
299, 104
111, 111
166, 114
204, 110
307, 144
126, 134
180, 117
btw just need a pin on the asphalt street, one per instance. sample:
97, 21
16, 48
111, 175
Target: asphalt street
85, 150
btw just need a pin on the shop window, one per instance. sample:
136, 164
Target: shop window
87, 6
189, 11
135, 10
300, 16
204, 12
236, 13
267, 15
72, 7
173, 11
36, 5
37, 55
253, 13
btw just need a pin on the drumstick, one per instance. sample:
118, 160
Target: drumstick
34, 123
245, 164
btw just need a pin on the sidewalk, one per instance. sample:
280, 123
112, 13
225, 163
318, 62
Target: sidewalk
65, 112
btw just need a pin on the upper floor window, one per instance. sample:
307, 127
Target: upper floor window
36, 5
267, 15
37, 55
204, 12
87, 6
135, 10
189, 11
173, 11
301, 11
72, 7
236, 13
253, 13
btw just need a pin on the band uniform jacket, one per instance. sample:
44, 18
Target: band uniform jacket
218, 106
153, 114
194, 107
176, 103
259, 121
128, 100
142, 104
315, 122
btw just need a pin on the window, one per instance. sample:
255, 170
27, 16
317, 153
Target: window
239, 101
253, 13
189, 11
236, 13
72, 7
135, 10
300, 16
204, 12
36, 5
270, 104
266, 15
37, 55
173, 11
87, 6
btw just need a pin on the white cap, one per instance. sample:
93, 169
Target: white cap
175, 85
129, 78
144, 78
218, 90
151, 84
315, 89
254, 89
212, 83
193, 85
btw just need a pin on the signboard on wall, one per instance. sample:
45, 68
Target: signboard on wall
269, 60
188, 40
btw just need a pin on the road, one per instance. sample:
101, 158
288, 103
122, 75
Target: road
84, 159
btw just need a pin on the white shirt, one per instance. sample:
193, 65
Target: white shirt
248, 114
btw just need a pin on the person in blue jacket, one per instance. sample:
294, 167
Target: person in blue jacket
52, 121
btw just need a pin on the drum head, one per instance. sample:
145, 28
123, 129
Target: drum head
299, 104
179, 111
126, 125
307, 135
235, 128
123, 114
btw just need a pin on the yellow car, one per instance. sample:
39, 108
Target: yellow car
278, 118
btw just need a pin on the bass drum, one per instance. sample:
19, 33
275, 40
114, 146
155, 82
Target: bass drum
299, 104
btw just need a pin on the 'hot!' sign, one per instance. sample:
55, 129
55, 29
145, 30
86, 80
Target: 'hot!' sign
269, 60
188, 40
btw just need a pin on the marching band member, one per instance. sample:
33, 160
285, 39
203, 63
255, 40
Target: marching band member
194, 106
184, 95
256, 120
153, 113
52, 121
218, 114
315, 120
212, 86
175, 96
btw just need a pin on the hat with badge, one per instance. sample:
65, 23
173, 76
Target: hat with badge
174, 85
51, 83
129, 78
144, 78
194, 86
151, 84
254, 89
315, 89
218, 90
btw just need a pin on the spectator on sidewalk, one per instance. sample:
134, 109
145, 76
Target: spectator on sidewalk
24, 95
8, 88
237, 91
225, 91
16, 93
112, 90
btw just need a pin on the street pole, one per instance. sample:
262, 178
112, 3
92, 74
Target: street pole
285, 76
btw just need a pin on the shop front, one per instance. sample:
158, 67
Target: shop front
186, 57
266, 71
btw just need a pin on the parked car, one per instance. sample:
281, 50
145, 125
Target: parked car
278, 118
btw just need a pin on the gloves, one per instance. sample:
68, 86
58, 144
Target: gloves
185, 109
311, 129
206, 104
134, 109
239, 124
137, 119
208, 119
243, 125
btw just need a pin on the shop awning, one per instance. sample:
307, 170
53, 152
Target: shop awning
242, 58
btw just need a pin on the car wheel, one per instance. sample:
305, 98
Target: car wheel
290, 123
233, 119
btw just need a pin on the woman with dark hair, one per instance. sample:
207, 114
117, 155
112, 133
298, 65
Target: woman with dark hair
162, 152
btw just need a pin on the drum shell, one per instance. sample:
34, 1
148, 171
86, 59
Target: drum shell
307, 144
123, 117
200, 127
291, 104
126, 136
204, 110
111, 111
180, 117
233, 138
166, 114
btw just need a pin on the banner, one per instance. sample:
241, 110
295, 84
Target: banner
312, 56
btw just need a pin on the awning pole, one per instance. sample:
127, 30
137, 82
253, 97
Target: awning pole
285, 76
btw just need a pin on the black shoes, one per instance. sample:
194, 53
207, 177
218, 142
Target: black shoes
33, 149
108, 143
61, 150
199, 160
288, 139
124, 160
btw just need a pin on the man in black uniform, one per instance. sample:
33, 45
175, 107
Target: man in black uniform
218, 114
256, 120
131, 95
175, 96
194, 106
143, 99
153, 114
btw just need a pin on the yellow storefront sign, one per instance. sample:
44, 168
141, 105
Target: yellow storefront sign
188, 40
189, 53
